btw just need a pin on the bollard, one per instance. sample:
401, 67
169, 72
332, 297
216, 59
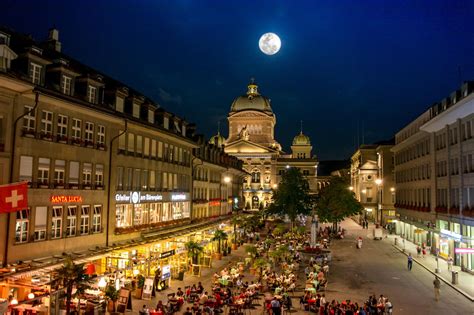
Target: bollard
396, 241
454, 277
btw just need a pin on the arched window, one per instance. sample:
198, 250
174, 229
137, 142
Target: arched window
255, 177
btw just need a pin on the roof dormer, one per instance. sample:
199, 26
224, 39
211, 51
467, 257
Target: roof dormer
6, 53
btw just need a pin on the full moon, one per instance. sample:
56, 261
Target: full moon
269, 43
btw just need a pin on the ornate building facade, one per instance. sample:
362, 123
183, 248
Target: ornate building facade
252, 140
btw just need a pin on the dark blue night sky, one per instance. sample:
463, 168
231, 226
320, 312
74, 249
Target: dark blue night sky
373, 64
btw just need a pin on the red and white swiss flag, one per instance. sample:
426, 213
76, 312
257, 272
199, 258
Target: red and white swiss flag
13, 197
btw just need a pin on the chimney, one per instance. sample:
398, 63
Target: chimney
53, 40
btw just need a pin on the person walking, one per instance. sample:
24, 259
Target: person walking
437, 287
450, 263
410, 261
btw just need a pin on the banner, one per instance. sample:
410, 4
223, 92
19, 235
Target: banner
13, 197
147, 289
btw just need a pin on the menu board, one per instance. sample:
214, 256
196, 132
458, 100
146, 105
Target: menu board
122, 302
166, 272
147, 289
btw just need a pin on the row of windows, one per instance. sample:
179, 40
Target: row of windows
420, 172
201, 193
146, 147
66, 83
63, 222
419, 150
467, 166
60, 172
63, 127
148, 213
467, 197
452, 136
417, 197
140, 179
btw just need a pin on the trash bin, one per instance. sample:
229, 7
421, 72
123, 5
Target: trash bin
396, 240
181, 275
454, 277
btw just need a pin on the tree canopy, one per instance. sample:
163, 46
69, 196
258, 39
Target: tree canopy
336, 202
292, 197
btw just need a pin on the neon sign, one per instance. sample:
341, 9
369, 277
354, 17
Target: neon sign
137, 197
178, 197
65, 199
464, 250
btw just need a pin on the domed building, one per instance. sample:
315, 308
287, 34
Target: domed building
252, 140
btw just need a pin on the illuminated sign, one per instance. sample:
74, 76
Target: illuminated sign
65, 199
178, 197
464, 250
451, 234
167, 254
137, 197
166, 273
214, 203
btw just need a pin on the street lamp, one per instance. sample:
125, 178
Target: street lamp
351, 188
227, 179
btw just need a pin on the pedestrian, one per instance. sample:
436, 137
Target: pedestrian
276, 307
410, 261
437, 287
418, 251
423, 250
388, 307
450, 263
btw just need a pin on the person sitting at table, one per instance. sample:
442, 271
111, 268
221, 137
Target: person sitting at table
200, 288
320, 275
188, 311
179, 293
218, 298
195, 308
215, 277
203, 298
160, 306
144, 310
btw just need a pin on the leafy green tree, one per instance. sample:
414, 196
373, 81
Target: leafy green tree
292, 197
336, 202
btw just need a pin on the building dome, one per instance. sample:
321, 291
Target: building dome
251, 101
301, 139
217, 140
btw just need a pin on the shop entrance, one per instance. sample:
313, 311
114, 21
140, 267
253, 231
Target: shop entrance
255, 202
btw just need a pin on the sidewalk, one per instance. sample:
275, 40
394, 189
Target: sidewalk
465, 284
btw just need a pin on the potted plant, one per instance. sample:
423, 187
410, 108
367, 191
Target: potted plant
194, 250
71, 276
112, 295
219, 236
140, 285
236, 220
251, 250
259, 264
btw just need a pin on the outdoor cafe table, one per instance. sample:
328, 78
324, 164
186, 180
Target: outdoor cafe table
312, 290
224, 281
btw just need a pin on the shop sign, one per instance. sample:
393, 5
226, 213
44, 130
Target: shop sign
136, 197
464, 250
167, 254
65, 199
177, 197
451, 234
166, 272
214, 203
180, 250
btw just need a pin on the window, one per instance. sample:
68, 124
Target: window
56, 222
136, 110
92, 94
131, 142
26, 168
145, 180
122, 141
119, 178
43, 171
97, 219
170, 181
76, 129
123, 215
89, 132
139, 144
146, 146
59, 167
99, 175
129, 178
151, 116
256, 177
155, 212
87, 174
136, 179
100, 135
305, 172
84, 227
165, 181
153, 148
152, 180
41, 214
29, 120
21, 226
62, 127
166, 123
66, 83
175, 181
74, 173
71, 221
119, 104
35, 73
47, 123
160, 149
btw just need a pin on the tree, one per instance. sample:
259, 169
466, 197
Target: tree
71, 276
236, 220
336, 202
292, 197
219, 236
194, 250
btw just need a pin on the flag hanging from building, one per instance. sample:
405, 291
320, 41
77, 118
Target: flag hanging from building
13, 197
